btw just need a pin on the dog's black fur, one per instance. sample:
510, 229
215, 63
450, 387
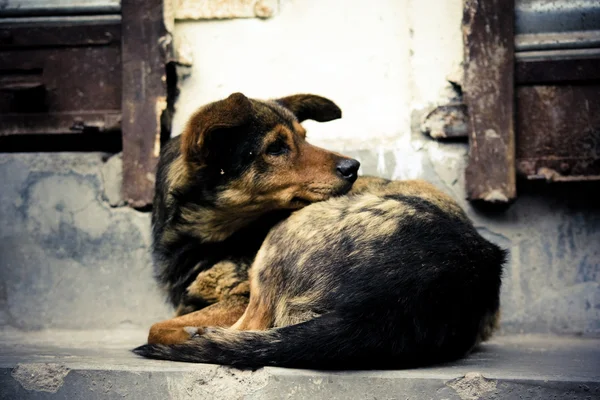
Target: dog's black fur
392, 274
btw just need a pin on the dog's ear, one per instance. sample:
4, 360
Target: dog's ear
310, 106
213, 119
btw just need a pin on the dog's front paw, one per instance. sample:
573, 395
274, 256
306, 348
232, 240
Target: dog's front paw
167, 335
193, 331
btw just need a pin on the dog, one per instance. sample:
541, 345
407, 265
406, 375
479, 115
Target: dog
239, 166
372, 273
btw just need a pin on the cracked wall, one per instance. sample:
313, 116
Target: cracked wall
69, 258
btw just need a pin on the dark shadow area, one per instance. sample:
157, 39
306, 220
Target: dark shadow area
584, 195
109, 142
166, 118
581, 196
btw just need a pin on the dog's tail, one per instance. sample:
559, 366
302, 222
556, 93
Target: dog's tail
326, 342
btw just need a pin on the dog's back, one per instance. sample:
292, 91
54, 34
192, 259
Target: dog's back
400, 268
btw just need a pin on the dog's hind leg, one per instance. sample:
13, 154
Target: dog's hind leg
265, 291
177, 330
259, 315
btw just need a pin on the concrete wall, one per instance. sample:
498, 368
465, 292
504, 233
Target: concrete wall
70, 258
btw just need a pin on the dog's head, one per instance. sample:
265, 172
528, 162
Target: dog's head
256, 154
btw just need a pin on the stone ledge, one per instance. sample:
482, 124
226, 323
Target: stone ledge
98, 365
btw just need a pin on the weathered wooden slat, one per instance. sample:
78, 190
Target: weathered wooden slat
488, 34
59, 76
145, 51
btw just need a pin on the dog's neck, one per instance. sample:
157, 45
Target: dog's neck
211, 224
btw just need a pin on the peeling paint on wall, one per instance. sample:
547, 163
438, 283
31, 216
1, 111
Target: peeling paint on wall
224, 9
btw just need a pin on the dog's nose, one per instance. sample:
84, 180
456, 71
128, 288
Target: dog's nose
348, 169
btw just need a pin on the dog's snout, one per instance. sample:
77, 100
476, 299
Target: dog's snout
348, 169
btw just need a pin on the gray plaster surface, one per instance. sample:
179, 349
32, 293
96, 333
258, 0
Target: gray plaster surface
68, 258
64, 364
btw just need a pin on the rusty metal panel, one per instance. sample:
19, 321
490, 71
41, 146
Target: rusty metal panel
559, 132
60, 76
146, 48
97, 122
19, 33
30, 8
544, 16
73, 79
488, 33
544, 68
557, 72
558, 41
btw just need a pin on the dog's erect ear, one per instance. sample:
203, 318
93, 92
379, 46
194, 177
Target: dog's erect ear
213, 119
310, 106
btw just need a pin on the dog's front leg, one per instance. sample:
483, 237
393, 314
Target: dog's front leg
177, 330
224, 279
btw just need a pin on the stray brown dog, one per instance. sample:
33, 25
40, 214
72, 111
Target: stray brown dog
392, 274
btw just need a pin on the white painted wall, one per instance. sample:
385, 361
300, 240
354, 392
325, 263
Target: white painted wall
378, 60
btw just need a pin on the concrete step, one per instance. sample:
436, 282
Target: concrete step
68, 364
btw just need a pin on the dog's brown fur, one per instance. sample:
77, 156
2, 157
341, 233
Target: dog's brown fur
391, 273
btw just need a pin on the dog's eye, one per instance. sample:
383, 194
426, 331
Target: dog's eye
277, 148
